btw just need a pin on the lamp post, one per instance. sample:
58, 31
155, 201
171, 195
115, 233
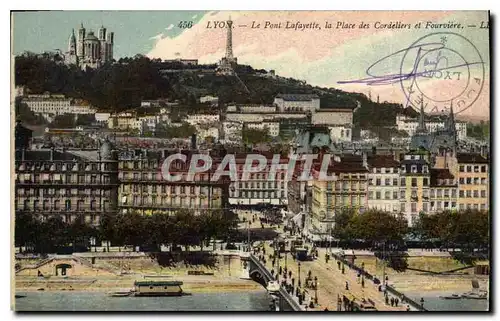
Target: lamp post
316, 290
299, 282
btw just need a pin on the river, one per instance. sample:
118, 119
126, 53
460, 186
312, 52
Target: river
232, 301
433, 302
98, 301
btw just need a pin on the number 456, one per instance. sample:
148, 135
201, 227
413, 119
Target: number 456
185, 24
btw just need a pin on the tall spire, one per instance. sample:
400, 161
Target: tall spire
229, 42
450, 126
421, 121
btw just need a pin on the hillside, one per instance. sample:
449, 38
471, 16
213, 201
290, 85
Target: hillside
123, 84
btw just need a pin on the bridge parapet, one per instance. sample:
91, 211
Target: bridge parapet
253, 264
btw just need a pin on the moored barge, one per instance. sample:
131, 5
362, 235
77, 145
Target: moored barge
158, 288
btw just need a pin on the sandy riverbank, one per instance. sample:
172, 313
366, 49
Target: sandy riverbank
194, 284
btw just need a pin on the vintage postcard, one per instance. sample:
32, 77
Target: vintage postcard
251, 161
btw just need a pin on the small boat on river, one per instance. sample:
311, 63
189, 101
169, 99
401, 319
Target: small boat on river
158, 288
451, 297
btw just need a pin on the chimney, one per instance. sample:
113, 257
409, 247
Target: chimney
52, 153
23, 150
365, 160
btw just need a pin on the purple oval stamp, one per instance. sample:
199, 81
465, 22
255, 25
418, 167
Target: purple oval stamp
442, 69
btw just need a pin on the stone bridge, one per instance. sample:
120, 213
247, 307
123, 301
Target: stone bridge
253, 269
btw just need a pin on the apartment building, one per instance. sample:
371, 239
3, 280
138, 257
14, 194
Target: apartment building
414, 185
383, 183
473, 181
73, 186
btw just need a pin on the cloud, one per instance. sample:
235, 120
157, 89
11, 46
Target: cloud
323, 56
170, 26
158, 37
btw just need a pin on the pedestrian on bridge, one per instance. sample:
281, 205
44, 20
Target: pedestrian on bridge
362, 282
290, 273
293, 281
281, 270
392, 302
346, 285
396, 302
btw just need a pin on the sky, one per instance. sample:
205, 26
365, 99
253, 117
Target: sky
326, 57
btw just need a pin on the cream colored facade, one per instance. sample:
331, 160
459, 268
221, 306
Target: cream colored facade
347, 190
473, 182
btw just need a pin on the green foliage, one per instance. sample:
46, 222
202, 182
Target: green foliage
63, 121
46, 236
25, 115
122, 85
85, 120
183, 228
166, 131
255, 136
466, 229
373, 225
479, 131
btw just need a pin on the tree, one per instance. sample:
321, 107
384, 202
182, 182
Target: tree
255, 136
25, 115
63, 121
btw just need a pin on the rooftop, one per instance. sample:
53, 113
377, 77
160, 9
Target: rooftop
471, 158
379, 161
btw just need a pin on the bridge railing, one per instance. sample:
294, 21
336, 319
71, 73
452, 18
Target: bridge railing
389, 288
289, 299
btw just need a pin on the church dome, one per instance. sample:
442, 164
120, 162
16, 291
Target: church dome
91, 37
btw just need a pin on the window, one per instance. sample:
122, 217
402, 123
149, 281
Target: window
476, 193
462, 168
439, 193
469, 180
453, 193
395, 195
403, 207
413, 168
403, 181
461, 194
387, 181
483, 193
483, 181
483, 207
413, 207
461, 180
424, 208
426, 181
468, 193
469, 169
483, 168
377, 195
433, 193
395, 181
379, 182
476, 169
414, 182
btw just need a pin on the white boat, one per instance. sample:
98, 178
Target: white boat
451, 297
476, 295
273, 286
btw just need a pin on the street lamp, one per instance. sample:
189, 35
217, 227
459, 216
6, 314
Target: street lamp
316, 290
299, 283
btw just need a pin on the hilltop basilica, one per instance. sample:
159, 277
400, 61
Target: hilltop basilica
89, 50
